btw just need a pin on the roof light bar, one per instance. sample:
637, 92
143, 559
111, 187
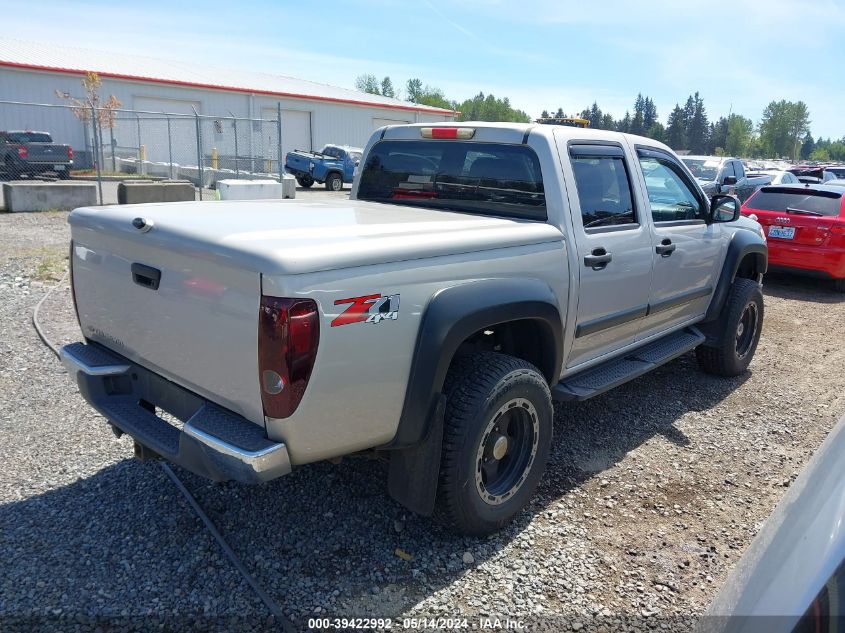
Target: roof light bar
447, 132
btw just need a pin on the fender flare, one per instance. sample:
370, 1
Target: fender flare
742, 243
454, 314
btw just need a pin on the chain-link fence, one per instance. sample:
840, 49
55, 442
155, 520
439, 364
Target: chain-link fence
115, 143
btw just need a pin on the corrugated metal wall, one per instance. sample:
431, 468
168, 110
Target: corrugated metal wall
330, 122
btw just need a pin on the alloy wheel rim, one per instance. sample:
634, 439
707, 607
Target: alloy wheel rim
746, 329
507, 451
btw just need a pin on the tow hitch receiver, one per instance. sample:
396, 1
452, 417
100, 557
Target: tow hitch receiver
144, 454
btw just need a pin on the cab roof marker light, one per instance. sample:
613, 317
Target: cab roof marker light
463, 133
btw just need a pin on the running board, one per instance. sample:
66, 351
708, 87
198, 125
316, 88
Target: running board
591, 382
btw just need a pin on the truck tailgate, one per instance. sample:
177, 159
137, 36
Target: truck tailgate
196, 326
47, 153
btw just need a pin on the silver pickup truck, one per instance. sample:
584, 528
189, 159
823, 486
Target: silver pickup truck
476, 274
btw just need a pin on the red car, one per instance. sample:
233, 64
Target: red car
805, 228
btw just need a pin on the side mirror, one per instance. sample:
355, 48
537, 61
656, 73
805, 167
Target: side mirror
729, 180
724, 209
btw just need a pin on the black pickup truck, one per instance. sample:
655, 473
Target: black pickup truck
32, 154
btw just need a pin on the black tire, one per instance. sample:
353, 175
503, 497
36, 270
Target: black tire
334, 182
64, 175
493, 401
740, 324
305, 181
839, 285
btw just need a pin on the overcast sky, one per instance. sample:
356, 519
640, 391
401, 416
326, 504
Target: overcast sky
739, 54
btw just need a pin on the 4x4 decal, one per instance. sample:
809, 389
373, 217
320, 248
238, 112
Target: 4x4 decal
368, 309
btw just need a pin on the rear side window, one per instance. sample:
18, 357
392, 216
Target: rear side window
29, 137
796, 201
604, 189
483, 178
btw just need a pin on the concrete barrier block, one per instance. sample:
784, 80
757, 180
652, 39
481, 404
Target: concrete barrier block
46, 196
250, 189
141, 191
288, 186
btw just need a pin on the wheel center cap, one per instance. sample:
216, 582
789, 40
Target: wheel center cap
500, 447
740, 329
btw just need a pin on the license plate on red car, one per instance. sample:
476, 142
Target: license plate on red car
782, 232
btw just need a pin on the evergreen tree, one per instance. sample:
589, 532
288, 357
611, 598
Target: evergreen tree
387, 87
544, 114
649, 113
698, 127
607, 122
676, 135
637, 123
657, 132
808, 146
624, 124
718, 135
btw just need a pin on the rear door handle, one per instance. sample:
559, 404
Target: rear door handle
665, 248
146, 276
598, 259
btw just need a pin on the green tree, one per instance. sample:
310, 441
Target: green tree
607, 122
387, 87
657, 132
637, 122
544, 114
738, 138
489, 108
821, 154
368, 83
676, 134
783, 125
414, 88
807, 146
649, 113
624, 124
697, 126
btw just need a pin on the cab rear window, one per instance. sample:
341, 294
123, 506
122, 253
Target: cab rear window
482, 178
29, 137
796, 201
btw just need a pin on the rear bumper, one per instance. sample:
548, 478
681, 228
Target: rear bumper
297, 172
213, 442
818, 261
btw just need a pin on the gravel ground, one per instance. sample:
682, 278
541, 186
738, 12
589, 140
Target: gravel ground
652, 494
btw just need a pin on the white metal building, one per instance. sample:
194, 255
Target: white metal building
313, 114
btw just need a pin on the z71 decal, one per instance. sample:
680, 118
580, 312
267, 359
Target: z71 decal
368, 309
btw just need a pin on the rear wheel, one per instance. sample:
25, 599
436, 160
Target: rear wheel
305, 181
334, 182
64, 175
740, 325
497, 437
839, 285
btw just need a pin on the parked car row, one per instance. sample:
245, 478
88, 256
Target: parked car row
722, 174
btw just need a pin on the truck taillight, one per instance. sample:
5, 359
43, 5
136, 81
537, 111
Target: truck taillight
23, 152
288, 335
69, 152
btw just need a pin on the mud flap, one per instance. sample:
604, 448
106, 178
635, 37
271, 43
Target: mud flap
415, 471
